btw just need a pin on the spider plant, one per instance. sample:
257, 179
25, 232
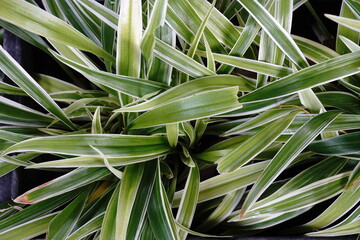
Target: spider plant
180, 117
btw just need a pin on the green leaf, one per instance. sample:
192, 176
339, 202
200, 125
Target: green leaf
202, 105
223, 210
346, 12
66, 183
108, 227
344, 203
293, 147
260, 120
157, 19
36, 210
112, 145
160, 216
36, 20
61, 226
16, 73
188, 202
88, 228
30, 229
95, 161
225, 183
277, 33
9, 89
140, 207
339, 145
330, 70
179, 60
129, 85
129, 35
190, 88
127, 196
251, 65
161, 71
194, 44
53, 85
251, 147
6, 167
172, 133
319, 171
308, 195
116, 172
347, 22
106, 15
96, 127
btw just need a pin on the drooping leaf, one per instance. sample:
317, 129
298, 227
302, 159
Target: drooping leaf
61, 226
36, 20
294, 146
330, 70
254, 145
15, 72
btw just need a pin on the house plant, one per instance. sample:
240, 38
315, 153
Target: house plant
172, 120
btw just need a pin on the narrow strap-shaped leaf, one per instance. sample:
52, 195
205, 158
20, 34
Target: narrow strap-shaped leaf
339, 145
8, 89
88, 228
275, 31
6, 167
225, 183
293, 147
218, 24
322, 170
30, 229
16, 73
127, 196
161, 71
95, 161
192, 87
160, 217
129, 35
157, 19
140, 207
108, 226
223, 210
61, 226
251, 65
254, 145
102, 12
112, 145
308, 195
194, 44
345, 202
179, 60
330, 70
35, 210
346, 12
243, 43
261, 119
350, 23
202, 105
350, 44
114, 171
36, 20
66, 183
188, 202
129, 85
337, 231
